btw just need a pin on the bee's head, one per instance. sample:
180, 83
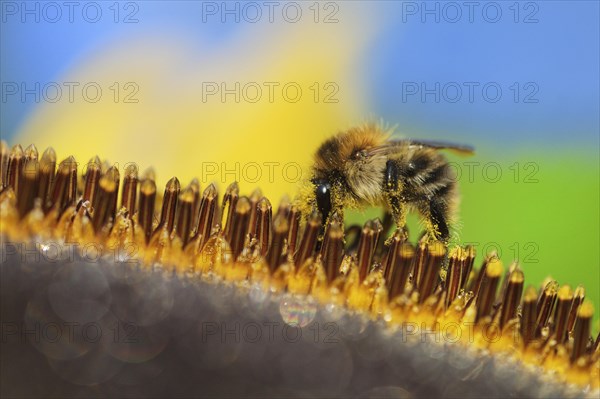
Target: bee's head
349, 147
348, 158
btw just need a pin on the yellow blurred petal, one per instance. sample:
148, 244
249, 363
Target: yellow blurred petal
183, 131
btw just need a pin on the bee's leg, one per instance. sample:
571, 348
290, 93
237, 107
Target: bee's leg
392, 192
352, 237
323, 199
397, 211
324, 206
387, 222
438, 215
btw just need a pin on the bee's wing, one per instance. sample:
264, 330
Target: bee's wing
394, 146
460, 149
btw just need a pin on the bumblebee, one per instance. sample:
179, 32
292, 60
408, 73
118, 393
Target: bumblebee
364, 167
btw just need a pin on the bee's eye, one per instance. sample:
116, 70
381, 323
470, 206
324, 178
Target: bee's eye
359, 154
323, 197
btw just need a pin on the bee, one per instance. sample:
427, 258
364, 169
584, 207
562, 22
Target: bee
364, 167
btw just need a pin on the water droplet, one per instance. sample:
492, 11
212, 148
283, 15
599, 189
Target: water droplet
297, 311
